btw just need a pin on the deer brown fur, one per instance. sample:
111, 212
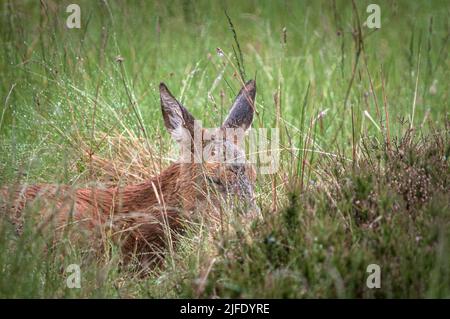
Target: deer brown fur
143, 218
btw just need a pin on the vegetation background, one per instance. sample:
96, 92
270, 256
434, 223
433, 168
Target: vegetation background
363, 116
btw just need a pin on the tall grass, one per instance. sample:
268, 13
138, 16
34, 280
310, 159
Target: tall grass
363, 117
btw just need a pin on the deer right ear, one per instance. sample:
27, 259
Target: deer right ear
178, 121
241, 113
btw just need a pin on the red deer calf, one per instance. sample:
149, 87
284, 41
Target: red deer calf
143, 216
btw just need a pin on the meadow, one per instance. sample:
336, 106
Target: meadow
363, 118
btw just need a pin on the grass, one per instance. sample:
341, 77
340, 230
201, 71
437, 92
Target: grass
363, 117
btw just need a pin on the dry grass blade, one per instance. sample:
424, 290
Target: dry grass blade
125, 159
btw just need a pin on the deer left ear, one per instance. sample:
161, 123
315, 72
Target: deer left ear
177, 119
241, 113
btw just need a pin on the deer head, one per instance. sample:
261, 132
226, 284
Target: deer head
214, 170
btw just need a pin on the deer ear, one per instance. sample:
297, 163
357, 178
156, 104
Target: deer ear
241, 113
177, 119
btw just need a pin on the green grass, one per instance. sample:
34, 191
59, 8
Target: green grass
351, 190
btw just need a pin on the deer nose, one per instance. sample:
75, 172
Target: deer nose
250, 207
254, 208
246, 204
255, 211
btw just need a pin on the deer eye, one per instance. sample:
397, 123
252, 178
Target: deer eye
215, 180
